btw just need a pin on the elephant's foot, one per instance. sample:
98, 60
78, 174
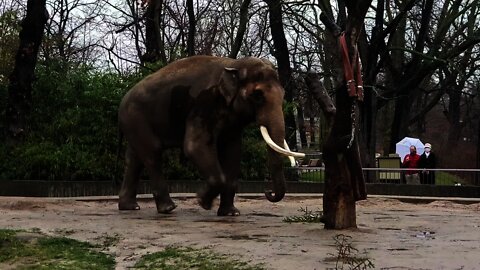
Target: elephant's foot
228, 211
206, 197
128, 205
165, 206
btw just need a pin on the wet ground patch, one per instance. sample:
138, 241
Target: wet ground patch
189, 258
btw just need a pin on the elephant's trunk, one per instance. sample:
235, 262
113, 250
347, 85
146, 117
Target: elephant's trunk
272, 127
274, 134
275, 167
275, 171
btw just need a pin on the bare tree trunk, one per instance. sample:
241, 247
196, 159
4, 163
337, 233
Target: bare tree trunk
20, 88
477, 177
313, 134
403, 105
284, 69
242, 27
405, 86
209, 40
191, 28
318, 92
455, 96
454, 85
399, 125
368, 134
301, 127
154, 45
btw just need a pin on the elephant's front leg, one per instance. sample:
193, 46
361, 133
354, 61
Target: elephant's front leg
200, 147
230, 156
227, 196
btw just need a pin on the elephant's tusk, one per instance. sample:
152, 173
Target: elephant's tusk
292, 160
277, 148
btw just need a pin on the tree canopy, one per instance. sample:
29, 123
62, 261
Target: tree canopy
420, 61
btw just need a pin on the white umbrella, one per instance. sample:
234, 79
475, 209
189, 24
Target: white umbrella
402, 148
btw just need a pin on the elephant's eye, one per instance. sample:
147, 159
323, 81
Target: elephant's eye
257, 97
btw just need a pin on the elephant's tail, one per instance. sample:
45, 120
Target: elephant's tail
116, 178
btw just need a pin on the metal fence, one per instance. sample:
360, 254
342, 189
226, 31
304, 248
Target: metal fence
445, 177
462, 183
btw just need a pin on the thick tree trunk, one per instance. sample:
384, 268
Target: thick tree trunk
192, 25
242, 27
344, 180
284, 70
20, 88
154, 46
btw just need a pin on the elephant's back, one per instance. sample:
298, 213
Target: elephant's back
191, 72
196, 71
170, 91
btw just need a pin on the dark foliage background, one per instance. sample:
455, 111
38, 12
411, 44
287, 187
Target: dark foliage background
74, 135
420, 66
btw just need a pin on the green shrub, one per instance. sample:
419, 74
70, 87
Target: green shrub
73, 130
254, 155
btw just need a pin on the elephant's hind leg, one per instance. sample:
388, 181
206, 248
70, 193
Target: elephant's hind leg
162, 197
207, 195
149, 148
128, 191
164, 202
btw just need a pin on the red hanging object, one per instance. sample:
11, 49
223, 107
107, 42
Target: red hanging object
355, 88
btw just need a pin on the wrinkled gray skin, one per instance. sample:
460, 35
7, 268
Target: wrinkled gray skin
201, 104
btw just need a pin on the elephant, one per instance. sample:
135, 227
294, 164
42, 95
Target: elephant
201, 104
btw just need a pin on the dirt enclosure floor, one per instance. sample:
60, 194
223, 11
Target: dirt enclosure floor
396, 235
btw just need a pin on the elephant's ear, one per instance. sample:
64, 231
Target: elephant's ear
230, 82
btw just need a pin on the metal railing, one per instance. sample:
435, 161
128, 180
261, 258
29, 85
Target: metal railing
447, 177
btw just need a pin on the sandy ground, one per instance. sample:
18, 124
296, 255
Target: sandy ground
395, 235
